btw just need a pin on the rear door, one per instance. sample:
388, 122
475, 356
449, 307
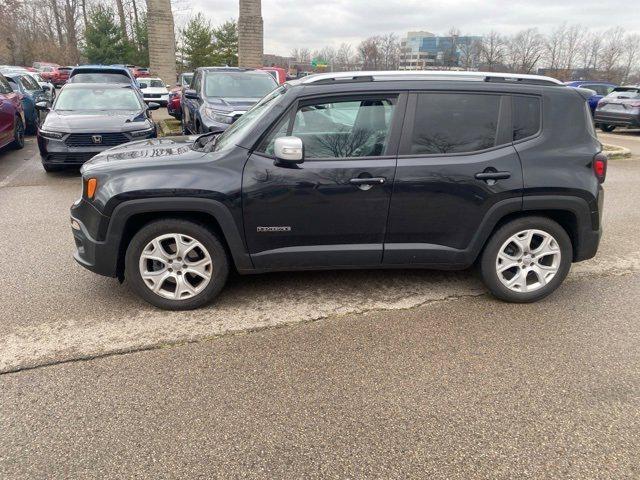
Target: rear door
330, 210
7, 113
456, 163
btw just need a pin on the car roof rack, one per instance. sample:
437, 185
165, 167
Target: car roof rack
372, 76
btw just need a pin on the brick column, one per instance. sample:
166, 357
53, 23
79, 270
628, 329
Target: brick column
250, 34
162, 48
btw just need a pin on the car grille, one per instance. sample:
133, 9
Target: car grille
71, 157
87, 139
152, 95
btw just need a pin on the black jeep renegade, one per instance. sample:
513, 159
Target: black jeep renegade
356, 170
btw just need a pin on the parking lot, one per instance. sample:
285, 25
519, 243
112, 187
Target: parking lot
294, 392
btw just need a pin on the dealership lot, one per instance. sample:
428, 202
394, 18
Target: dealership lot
404, 363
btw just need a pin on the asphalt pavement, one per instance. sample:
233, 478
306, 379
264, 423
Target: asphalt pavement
391, 374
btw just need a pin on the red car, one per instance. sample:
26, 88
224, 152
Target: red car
56, 75
140, 72
280, 74
11, 116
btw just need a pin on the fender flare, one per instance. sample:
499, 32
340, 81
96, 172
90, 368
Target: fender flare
232, 234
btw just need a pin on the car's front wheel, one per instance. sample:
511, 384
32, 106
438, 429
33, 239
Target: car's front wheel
526, 259
176, 264
607, 128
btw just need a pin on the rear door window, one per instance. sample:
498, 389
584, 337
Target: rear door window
526, 116
454, 123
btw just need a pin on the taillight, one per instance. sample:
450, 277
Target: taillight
634, 104
600, 166
602, 102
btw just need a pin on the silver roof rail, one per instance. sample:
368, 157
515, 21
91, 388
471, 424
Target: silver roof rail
364, 76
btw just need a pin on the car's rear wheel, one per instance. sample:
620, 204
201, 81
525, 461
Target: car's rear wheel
176, 264
607, 128
526, 259
18, 134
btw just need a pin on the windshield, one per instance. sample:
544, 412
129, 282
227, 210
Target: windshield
100, 78
97, 99
625, 93
29, 83
237, 84
151, 83
248, 120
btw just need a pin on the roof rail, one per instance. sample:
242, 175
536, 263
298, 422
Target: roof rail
371, 76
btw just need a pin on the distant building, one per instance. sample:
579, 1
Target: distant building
422, 50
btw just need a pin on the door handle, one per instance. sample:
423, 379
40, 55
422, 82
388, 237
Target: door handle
368, 181
493, 175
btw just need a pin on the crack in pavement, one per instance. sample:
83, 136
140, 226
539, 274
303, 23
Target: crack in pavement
42, 357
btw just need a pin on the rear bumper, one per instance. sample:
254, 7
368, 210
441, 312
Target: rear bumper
618, 119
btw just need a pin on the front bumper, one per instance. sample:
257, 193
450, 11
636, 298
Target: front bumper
98, 256
161, 99
619, 119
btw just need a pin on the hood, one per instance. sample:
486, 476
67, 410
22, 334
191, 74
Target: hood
78, 121
161, 90
232, 104
145, 152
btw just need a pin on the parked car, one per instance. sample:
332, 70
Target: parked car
154, 90
601, 89
48, 87
11, 116
40, 65
140, 72
55, 74
218, 96
174, 102
621, 108
304, 181
30, 94
102, 74
280, 74
88, 118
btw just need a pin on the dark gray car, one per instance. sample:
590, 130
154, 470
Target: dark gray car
89, 118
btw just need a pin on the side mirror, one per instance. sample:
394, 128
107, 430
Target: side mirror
191, 93
42, 106
153, 106
289, 150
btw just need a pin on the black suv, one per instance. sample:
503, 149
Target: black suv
366, 170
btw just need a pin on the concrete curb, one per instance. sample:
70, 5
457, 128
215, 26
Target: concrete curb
615, 152
168, 127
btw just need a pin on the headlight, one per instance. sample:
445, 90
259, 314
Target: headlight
51, 134
141, 133
216, 116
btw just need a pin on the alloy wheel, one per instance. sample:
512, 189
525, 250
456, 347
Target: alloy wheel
175, 266
528, 260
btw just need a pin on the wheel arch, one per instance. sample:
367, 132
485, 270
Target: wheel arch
129, 217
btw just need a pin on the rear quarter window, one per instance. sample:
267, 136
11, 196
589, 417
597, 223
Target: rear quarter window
526, 117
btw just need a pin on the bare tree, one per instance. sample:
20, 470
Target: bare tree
612, 53
344, 57
389, 49
369, 53
492, 50
630, 55
525, 49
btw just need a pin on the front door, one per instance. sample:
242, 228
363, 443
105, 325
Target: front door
456, 163
330, 210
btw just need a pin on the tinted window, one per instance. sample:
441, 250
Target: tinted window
100, 78
599, 89
29, 83
346, 129
454, 123
526, 117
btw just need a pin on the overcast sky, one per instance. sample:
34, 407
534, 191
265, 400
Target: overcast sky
316, 23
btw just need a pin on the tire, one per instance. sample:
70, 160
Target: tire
607, 128
158, 239
530, 278
18, 135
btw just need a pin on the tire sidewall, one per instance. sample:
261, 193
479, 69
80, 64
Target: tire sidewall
489, 255
194, 230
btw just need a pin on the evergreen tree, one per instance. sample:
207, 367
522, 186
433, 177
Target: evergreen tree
104, 40
140, 56
226, 46
198, 46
